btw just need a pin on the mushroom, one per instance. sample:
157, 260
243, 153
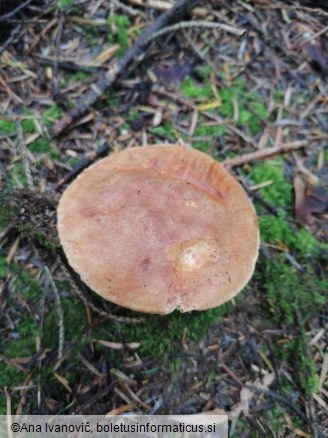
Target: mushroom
159, 228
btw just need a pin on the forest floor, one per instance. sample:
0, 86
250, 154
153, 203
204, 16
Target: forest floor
262, 358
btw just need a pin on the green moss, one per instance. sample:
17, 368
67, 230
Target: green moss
119, 26
278, 95
24, 283
325, 152
74, 318
10, 376
73, 161
25, 346
204, 71
92, 34
280, 192
306, 244
51, 115
192, 90
115, 102
150, 333
7, 126
28, 286
4, 267
166, 130
209, 131
275, 228
7, 216
28, 126
286, 289
250, 105
79, 76
274, 419
43, 146
40, 145
17, 173
306, 374
300, 242
64, 3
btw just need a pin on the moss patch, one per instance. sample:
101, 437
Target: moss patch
161, 335
287, 289
251, 110
280, 192
7, 126
119, 26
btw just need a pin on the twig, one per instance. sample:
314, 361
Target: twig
280, 398
311, 10
59, 307
126, 8
58, 41
67, 65
8, 409
231, 374
14, 12
263, 153
60, 314
26, 163
198, 23
161, 6
110, 76
308, 396
11, 38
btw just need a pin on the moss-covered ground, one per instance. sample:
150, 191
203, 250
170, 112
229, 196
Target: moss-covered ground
180, 360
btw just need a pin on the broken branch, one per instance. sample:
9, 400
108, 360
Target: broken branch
110, 76
263, 153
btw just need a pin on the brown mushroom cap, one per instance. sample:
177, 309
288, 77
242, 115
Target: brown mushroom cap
159, 228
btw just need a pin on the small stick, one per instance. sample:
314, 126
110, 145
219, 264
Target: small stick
161, 6
15, 11
8, 407
126, 8
276, 396
59, 308
308, 396
60, 313
231, 374
110, 76
58, 41
198, 23
26, 162
11, 38
263, 153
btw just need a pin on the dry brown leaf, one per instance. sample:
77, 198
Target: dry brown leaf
247, 394
308, 201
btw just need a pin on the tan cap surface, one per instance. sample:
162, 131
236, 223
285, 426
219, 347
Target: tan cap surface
158, 228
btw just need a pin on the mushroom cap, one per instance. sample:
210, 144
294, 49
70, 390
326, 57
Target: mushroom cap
159, 228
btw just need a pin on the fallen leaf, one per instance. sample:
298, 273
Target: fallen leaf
246, 394
309, 200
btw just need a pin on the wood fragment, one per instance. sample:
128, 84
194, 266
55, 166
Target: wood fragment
110, 76
324, 371
264, 153
5, 17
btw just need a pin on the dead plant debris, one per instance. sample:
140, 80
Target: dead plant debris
259, 103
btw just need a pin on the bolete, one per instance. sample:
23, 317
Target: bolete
159, 228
